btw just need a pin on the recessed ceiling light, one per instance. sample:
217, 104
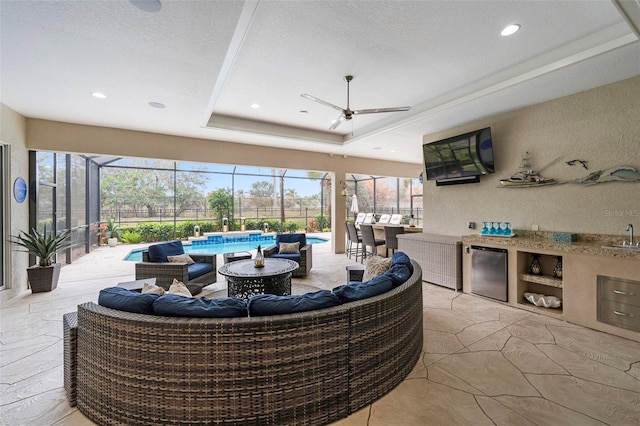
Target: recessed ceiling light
393, 150
98, 95
147, 5
255, 106
510, 29
157, 105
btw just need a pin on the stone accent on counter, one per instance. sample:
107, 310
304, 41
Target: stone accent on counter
591, 244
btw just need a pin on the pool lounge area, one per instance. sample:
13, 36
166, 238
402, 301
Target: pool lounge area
227, 242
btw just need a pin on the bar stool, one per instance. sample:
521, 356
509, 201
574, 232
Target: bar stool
391, 238
353, 238
369, 240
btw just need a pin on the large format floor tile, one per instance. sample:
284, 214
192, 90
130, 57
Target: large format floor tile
483, 362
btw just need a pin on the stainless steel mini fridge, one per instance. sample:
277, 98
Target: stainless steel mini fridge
489, 272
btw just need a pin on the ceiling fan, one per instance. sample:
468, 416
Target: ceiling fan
348, 113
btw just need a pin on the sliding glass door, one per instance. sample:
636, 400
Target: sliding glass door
4, 216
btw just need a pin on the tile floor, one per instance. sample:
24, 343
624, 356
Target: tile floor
483, 362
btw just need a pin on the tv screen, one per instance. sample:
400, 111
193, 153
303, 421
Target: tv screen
460, 157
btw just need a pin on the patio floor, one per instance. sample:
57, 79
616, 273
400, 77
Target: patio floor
483, 362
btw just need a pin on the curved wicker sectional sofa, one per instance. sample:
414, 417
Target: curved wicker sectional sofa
308, 368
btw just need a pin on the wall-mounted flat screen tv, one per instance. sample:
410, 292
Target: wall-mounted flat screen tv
459, 159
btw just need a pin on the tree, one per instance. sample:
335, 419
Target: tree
133, 188
291, 197
149, 188
325, 188
261, 192
188, 187
221, 201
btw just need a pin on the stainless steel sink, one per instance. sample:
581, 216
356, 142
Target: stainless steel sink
624, 247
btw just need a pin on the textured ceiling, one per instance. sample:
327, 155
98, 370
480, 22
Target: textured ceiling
208, 61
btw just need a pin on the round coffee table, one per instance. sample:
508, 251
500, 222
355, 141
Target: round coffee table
244, 279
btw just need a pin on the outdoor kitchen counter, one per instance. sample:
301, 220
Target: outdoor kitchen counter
583, 262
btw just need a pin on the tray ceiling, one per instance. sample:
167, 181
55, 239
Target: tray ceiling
207, 62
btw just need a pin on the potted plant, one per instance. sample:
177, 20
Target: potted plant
43, 276
112, 233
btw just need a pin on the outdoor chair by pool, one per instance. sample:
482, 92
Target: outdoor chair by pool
303, 255
194, 275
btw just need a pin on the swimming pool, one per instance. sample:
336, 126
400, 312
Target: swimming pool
223, 244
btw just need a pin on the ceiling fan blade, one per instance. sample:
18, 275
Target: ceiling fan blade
320, 101
337, 122
376, 110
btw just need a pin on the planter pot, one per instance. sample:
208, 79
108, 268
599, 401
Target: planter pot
112, 242
43, 278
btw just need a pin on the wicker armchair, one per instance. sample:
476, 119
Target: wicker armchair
165, 272
304, 259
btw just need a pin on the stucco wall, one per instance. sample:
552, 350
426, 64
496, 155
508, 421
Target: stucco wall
13, 133
601, 126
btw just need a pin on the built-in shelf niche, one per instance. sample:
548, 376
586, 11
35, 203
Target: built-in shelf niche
544, 283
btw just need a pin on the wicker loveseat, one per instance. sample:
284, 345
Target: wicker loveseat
309, 368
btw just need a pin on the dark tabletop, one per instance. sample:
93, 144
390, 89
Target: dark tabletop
246, 268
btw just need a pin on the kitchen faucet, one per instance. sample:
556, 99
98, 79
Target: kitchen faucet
630, 229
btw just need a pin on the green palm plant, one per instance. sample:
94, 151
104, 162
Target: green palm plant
112, 228
43, 245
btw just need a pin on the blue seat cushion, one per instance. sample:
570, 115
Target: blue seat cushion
159, 252
127, 300
291, 238
398, 273
356, 290
172, 305
198, 269
292, 256
401, 258
269, 304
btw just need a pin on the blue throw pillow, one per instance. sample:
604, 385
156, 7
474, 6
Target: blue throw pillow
269, 304
401, 258
398, 274
159, 252
127, 300
172, 305
362, 290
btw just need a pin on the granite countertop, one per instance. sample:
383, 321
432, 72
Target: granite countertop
543, 240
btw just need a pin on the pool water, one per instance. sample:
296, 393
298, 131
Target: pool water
223, 245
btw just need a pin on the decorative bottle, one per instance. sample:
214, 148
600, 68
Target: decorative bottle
536, 267
259, 260
557, 271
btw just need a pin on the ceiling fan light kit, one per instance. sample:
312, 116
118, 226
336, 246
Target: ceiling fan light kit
347, 113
